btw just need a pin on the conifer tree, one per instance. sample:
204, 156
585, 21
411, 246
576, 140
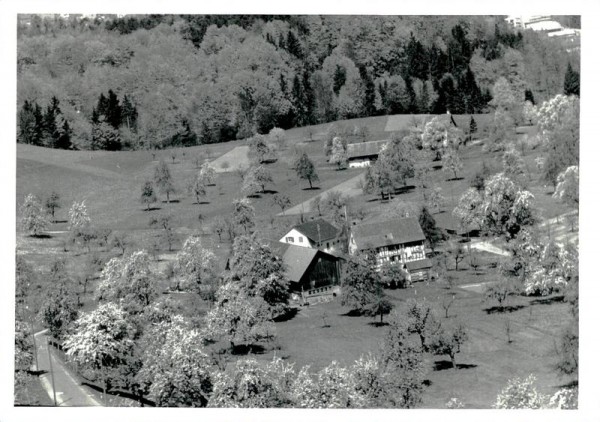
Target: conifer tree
529, 96
571, 85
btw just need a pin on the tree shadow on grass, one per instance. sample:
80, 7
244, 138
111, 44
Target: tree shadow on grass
291, 313
120, 393
269, 192
201, 203
404, 189
571, 384
548, 300
440, 365
313, 188
244, 349
353, 313
378, 324
452, 179
172, 201
503, 309
437, 167
41, 236
60, 221
151, 209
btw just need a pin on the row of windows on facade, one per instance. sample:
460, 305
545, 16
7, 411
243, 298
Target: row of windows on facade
397, 254
290, 239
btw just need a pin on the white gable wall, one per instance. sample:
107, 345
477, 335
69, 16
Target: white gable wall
294, 237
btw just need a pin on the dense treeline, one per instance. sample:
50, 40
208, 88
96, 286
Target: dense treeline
189, 79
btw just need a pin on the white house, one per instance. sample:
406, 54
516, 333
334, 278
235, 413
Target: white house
316, 234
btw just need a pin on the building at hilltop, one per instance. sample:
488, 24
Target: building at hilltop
545, 23
397, 241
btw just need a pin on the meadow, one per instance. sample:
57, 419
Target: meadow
110, 183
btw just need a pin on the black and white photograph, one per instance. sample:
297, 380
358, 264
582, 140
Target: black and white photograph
308, 210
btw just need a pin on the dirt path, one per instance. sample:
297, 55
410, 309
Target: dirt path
349, 188
488, 247
69, 391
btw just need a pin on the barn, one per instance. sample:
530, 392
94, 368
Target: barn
310, 271
364, 153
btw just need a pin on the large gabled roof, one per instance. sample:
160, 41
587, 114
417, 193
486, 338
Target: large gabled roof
296, 259
365, 149
318, 230
390, 232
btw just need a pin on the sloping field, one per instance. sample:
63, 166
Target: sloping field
405, 121
348, 188
232, 160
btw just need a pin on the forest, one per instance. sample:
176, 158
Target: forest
159, 81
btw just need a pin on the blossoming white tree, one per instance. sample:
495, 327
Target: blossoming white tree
175, 366
101, 340
130, 281
33, 217
502, 209
196, 266
567, 187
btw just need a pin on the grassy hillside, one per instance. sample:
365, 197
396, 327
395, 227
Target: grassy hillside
110, 183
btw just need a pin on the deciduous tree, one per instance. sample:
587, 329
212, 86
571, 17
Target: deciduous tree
451, 161
52, 203
305, 169
164, 222
33, 216
101, 340
164, 180
196, 267
440, 134
243, 214
449, 342
148, 197
567, 187
360, 285
175, 365
282, 201
197, 187
339, 153
128, 281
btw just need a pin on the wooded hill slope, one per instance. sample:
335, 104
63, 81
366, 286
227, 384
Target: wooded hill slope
156, 81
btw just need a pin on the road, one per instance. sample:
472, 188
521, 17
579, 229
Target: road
69, 391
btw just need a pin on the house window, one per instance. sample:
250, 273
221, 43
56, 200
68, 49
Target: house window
300, 239
327, 245
289, 239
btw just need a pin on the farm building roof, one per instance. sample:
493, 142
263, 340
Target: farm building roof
318, 230
421, 264
365, 149
296, 259
390, 232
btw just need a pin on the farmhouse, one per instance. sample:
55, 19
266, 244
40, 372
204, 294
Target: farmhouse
316, 234
311, 272
397, 241
362, 154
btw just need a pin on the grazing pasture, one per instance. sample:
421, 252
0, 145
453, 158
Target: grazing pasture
110, 183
